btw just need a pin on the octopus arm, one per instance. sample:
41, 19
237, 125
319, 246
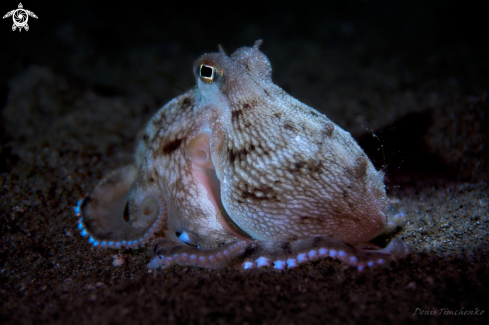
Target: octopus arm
279, 255
104, 214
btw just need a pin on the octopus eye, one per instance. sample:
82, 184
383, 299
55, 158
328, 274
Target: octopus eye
206, 73
150, 207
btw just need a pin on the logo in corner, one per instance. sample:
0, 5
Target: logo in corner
20, 17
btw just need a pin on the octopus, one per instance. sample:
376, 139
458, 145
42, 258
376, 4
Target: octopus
237, 172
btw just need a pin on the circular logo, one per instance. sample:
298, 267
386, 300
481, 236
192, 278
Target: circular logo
20, 17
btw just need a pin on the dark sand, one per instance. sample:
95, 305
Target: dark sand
409, 81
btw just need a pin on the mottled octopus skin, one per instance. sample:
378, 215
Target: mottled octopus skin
236, 170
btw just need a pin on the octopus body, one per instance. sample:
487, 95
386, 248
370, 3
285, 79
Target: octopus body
237, 171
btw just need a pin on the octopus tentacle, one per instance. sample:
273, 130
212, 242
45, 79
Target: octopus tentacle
279, 255
283, 255
103, 213
206, 258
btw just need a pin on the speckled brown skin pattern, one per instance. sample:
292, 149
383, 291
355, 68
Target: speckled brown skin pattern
237, 169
